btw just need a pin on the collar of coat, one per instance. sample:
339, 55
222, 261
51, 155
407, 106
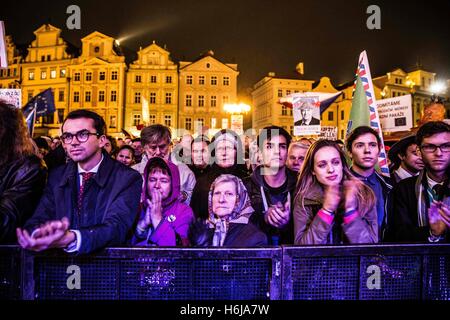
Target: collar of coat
101, 178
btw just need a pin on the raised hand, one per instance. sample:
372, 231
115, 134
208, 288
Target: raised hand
350, 192
332, 198
279, 215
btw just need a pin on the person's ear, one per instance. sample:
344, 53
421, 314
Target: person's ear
102, 141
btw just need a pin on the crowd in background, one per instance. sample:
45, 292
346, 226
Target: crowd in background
85, 190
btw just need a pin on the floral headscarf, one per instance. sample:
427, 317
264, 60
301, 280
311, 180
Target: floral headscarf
240, 214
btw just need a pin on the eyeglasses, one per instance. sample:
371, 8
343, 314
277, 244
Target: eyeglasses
82, 136
429, 148
161, 147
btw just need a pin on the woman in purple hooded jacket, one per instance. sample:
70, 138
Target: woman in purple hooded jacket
164, 220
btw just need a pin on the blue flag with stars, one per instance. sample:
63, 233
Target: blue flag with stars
40, 105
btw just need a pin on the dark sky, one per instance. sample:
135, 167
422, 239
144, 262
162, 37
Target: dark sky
261, 36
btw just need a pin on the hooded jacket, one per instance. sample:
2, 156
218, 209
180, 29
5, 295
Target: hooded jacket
176, 216
313, 228
254, 184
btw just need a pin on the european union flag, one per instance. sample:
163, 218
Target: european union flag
38, 106
43, 102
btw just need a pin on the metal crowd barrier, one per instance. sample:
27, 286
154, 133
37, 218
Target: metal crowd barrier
380, 272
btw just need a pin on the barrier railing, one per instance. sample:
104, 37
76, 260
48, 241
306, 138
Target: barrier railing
301, 273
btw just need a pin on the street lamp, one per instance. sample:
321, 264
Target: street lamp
237, 112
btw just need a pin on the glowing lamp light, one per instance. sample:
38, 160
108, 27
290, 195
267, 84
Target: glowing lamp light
236, 108
438, 87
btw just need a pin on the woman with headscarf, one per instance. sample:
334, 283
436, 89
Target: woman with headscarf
164, 219
229, 209
226, 158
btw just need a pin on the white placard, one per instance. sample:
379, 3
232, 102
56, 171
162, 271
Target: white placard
328, 132
306, 115
12, 96
395, 113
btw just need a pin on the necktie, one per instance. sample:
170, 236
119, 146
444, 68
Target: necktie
86, 176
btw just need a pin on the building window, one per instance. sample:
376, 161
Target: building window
113, 96
102, 76
214, 81
43, 75
87, 97
152, 98
42, 58
30, 75
76, 96
169, 79
342, 115
200, 123
138, 79
30, 95
226, 81
168, 120
48, 57
52, 74
76, 77
112, 121
213, 101
284, 111
152, 79
97, 49
88, 76
168, 98
188, 100
188, 124
342, 134
61, 95
114, 75
213, 123
225, 99
62, 73
330, 116
280, 93
224, 123
188, 79
60, 115
136, 119
201, 101
201, 80
137, 97
288, 92
291, 130
152, 119
101, 96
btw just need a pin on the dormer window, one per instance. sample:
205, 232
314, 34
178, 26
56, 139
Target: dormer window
97, 49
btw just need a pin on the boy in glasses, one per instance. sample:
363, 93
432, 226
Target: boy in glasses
90, 202
422, 203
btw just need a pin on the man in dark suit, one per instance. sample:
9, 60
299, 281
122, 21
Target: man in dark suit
89, 203
307, 119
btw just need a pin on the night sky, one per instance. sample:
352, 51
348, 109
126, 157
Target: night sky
260, 36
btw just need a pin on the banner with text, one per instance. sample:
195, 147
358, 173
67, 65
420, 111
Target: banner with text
12, 96
395, 113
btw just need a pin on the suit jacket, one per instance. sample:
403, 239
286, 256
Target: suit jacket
109, 208
313, 122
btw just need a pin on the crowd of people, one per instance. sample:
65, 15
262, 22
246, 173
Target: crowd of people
85, 190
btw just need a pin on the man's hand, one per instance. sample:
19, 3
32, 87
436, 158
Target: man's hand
53, 234
444, 212
436, 219
278, 216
